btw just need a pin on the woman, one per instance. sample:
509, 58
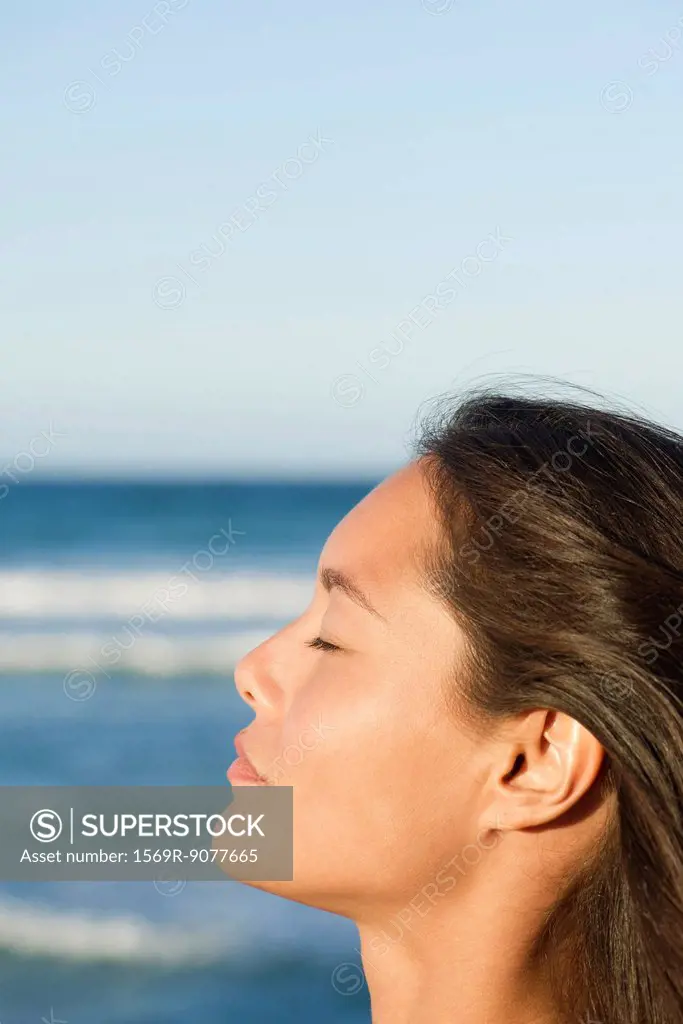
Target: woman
493, 660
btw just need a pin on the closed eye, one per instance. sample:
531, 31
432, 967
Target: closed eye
322, 645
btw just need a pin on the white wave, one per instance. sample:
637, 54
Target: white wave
243, 932
83, 656
190, 595
31, 929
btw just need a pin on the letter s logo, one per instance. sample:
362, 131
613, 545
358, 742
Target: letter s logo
46, 826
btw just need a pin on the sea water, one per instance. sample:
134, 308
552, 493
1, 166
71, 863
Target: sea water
123, 609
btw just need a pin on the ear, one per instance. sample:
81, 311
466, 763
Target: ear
544, 763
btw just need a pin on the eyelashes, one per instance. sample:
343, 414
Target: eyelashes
322, 645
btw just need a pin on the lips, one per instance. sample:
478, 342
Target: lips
242, 772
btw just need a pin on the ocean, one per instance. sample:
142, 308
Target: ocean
123, 609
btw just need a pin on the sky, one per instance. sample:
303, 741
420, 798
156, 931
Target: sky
258, 238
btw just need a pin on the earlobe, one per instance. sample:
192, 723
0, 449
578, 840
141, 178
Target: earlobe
548, 761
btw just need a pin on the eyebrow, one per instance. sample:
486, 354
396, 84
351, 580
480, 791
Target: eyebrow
331, 578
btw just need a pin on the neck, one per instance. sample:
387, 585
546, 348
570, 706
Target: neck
468, 961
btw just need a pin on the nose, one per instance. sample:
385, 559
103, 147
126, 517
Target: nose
254, 678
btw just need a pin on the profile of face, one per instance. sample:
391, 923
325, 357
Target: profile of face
437, 716
358, 723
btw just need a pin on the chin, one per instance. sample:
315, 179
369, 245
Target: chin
318, 896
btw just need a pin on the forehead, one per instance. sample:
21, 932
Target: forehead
383, 540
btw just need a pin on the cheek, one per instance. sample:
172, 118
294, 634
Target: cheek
333, 725
373, 759
326, 714
358, 726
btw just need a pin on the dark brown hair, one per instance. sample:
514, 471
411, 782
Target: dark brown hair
564, 564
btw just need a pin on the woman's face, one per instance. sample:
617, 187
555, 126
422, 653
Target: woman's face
382, 773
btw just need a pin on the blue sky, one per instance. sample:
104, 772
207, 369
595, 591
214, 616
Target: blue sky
137, 136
